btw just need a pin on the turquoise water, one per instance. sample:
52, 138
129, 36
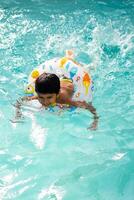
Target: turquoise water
53, 156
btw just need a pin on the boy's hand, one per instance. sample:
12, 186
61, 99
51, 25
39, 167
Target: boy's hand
19, 103
94, 125
26, 98
88, 106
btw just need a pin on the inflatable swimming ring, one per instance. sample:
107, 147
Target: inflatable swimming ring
66, 67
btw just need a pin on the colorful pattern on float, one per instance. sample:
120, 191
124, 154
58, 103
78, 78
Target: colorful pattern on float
64, 67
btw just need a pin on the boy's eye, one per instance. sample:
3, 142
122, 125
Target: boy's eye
49, 97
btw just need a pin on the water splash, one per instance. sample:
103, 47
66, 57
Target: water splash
52, 192
38, 134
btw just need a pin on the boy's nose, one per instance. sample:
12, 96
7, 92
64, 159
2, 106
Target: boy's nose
47, 102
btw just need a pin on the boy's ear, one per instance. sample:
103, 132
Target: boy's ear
57, 95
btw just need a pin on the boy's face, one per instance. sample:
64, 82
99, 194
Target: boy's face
47, 99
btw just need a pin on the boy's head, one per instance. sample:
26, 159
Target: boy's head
47, 87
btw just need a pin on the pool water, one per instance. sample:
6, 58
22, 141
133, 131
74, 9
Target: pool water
53, 155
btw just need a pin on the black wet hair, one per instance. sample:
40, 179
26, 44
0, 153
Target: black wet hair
47, 83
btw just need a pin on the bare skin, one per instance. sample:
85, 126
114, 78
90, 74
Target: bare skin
64, 97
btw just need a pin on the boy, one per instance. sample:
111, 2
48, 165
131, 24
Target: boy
51, 90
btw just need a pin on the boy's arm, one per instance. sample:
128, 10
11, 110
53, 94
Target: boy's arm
18, 105
90, 107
